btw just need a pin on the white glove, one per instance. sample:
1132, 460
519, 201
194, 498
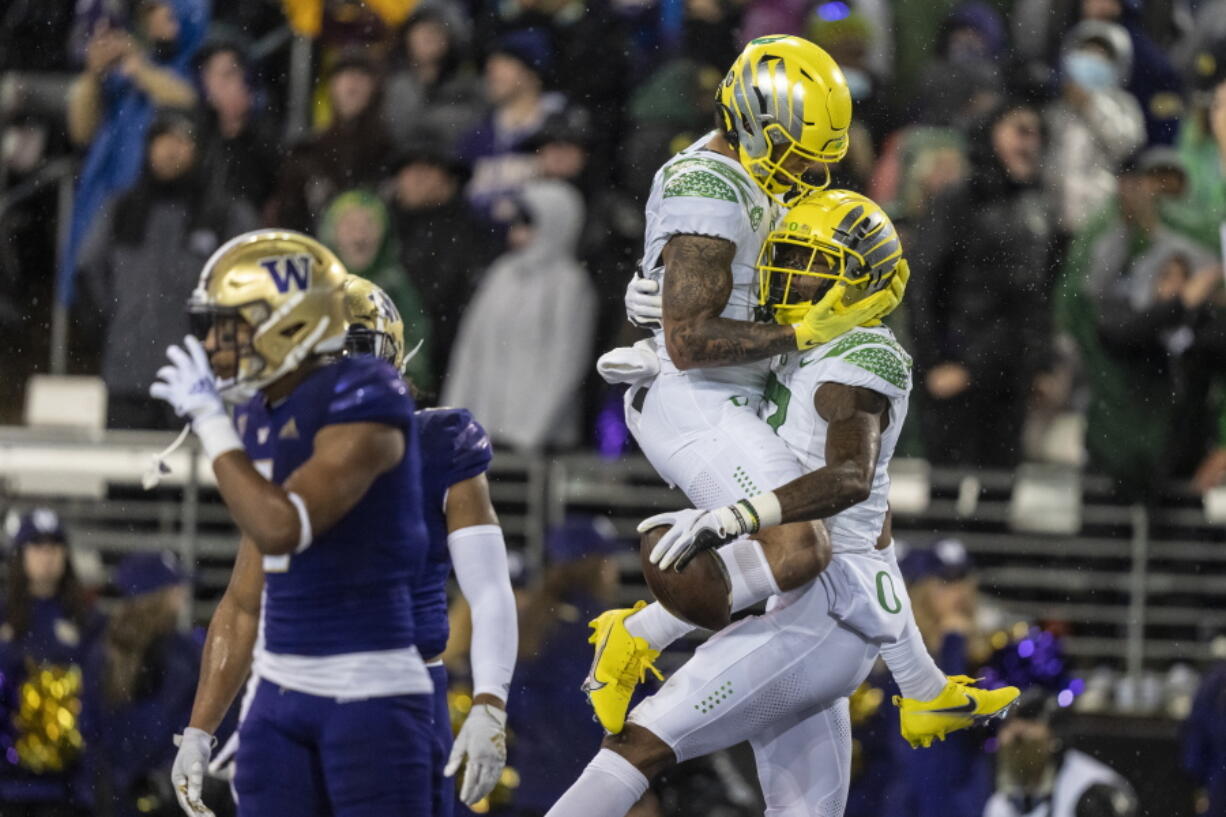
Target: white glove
188, 385
483, 742
692, 531
629, 364
187, 774
644, 304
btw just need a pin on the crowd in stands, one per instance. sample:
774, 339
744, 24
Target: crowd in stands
1055, 167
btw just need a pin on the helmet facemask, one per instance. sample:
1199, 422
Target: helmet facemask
375, 325
228, 334
795, 272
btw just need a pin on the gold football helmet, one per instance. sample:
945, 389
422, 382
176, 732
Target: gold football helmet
375, 325
784, 99
287, 287
829, 237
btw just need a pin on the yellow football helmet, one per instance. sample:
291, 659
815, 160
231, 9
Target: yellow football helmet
783, 98
287, 286
375, 325
830, 235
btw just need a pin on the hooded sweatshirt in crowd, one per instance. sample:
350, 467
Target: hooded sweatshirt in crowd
525, 342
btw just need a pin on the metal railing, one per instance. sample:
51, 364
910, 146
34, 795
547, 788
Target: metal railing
1136, 587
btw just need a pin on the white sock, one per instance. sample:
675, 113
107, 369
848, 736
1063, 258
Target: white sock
658, 626
916, 674
752, 582
608, 787
750, 573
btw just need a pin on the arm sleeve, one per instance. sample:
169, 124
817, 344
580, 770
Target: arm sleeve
479, 557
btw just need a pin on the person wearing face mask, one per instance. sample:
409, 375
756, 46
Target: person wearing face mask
1038, 776
1094, 125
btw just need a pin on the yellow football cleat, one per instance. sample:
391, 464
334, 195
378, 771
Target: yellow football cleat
620, 665
958, 706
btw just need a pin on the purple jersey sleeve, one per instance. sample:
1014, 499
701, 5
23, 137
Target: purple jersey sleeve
460, 442
369, 390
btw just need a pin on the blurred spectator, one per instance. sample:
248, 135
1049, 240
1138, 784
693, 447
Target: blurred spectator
352, 152
531, 321
979, 297
34, 36
920, 163
112, 102
963, 82
114, 55
442, 247
709, 32
1207, 29
239, 151
612, 235
669, 110
553, 728
434, 87
952, 778
515, 74
1095, 124
609, 244
48, 626
357, 227
1037, 774
141, 261
1131, 287
1204, 740
590, 66
1202, 147
141, 681
849, 41
1153, 81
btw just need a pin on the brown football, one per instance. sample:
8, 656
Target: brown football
699, 594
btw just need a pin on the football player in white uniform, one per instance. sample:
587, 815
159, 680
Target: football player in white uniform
783, 109
783, 106
780, 680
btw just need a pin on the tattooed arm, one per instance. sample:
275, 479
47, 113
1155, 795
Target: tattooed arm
697, 283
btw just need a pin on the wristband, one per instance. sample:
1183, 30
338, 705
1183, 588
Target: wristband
217, 435
756, 513
305, 534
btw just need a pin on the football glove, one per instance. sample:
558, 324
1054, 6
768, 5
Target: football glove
830, 317
188, 385
481, 746
644, 304
187, 773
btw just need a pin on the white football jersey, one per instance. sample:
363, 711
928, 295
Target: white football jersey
699, 192
867, 357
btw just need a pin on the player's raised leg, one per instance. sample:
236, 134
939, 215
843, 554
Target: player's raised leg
764, 670
804, 766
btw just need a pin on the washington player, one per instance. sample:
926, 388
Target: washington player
322, 478
782, 107
464, 536
780, 680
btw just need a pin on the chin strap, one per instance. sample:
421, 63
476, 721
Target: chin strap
158, 467
407, 358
